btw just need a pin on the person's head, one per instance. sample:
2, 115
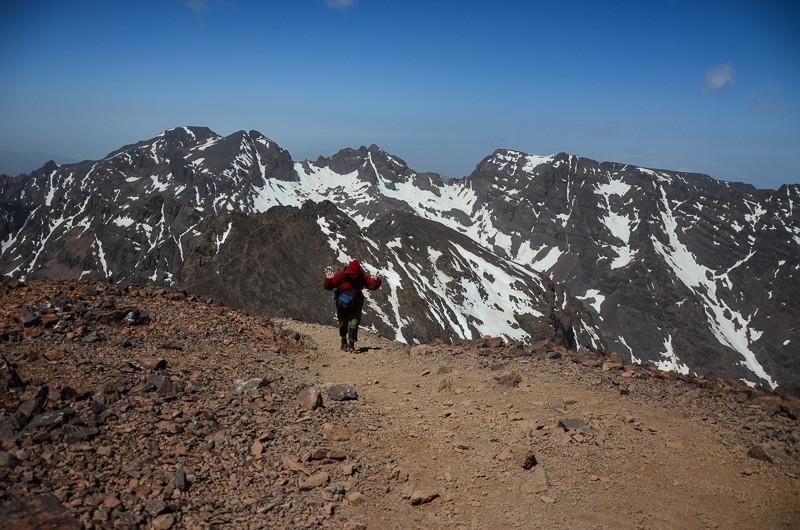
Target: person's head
353, 268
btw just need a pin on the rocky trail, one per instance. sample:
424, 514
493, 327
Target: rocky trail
140, 407
529, 443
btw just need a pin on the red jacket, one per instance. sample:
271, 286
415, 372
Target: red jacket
353, 279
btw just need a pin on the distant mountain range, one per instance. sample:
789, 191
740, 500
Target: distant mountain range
15, 163
676, 269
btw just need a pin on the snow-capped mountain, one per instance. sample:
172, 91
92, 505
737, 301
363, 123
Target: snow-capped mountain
437, 282
677, 269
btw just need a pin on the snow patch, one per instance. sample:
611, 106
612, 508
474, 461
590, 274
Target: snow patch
548, 261
729, 327
620, 226
598, 299
220, 241
671, 363
123, 221
335, 240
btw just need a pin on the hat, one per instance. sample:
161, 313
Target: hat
353, 268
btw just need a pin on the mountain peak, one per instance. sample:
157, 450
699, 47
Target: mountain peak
720, 261
512, 163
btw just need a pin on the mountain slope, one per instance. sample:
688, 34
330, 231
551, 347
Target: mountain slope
677, 269
193, 414
438, 283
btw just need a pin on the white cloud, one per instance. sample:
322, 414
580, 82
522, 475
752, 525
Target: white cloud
718, 77
341, 5
197, 5
769, 100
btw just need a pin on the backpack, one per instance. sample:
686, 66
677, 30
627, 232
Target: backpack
345, 299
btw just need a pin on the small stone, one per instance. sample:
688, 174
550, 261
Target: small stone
148, 364
50, 420
348, 469
399, 474
292, 464
509, 379
163, 522
421, 349
181, 482
547, 499
525, 458
324, 453
155, 507
310, 397
26, 316
131, 317
520, 433
674, 445
765, 453
8, 460
247, 385
75, 434
49, 320
536, 482
342, 392
572, 424
423, 497
506, 454
92, 337
314, 481
357, 498
352, 525
54, 354
611, 366
160, 384
111, 502
33, 402
9, 378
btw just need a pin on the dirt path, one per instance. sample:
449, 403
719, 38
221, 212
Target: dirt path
442, 423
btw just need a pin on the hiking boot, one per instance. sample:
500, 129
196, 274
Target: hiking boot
351, 347
344, 345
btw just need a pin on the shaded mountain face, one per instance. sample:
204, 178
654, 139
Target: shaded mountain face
131, 216
437, 282
677, 269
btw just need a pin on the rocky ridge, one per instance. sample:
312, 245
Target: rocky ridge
144, 406
671, 268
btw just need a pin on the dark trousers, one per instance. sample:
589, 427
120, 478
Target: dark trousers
349, 320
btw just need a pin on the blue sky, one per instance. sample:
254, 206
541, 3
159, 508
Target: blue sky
705, 86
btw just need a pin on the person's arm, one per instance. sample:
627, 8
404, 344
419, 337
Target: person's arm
332, 281
372, 282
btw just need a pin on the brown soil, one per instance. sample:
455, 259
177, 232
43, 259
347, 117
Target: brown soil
440, 436
663, 456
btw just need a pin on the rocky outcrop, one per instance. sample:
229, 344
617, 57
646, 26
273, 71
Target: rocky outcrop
180, 404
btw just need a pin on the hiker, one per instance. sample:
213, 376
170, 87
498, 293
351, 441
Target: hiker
347, 285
